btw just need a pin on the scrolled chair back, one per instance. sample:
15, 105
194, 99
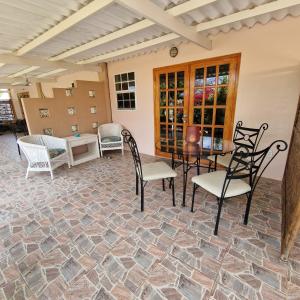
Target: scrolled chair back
246, 164
128, 139
249, 137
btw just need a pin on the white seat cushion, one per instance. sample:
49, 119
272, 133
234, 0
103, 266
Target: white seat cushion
157, 170
213, 183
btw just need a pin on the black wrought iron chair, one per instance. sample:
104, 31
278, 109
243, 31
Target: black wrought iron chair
244, 166
150, 171
243, 136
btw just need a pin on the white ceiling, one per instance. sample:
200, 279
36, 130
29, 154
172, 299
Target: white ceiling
22, 21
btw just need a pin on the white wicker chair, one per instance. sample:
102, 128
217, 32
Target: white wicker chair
110, 137
44, 152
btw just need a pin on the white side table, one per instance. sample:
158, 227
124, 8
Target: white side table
91, 140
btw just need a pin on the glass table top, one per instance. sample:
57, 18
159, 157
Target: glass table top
206, 146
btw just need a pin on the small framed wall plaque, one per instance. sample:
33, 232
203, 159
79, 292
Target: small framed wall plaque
93, 109
44, 113
48, 131
71, 111
74, 128
92, 94
95, 125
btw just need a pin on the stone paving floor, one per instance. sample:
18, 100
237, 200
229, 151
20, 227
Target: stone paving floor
82, 236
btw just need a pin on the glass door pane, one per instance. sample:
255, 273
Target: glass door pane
172, 102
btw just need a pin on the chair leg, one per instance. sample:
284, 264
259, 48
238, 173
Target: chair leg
51, 173
173, 167
216, 157
163, 184
142, 195
27, 173
249, 198
193, 198
173, 190
136, 184
218, 216
19, 150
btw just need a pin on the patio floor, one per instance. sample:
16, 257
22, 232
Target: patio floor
82, 236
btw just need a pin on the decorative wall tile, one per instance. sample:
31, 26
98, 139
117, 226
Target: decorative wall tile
74, 128
48, 131
71, 111
92, 94
44, 113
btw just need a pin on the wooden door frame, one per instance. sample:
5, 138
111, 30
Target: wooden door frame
211, 61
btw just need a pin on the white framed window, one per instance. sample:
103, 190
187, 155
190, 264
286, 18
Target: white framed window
125, 91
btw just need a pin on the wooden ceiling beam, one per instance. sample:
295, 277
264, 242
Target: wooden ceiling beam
130, 49
62, 26
248, 13
160, 17
174, 11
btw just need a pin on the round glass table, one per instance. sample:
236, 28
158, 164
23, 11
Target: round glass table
189, 155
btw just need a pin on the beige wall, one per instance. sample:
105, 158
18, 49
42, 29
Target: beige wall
66, 81
269, 83
16, 103
59, 119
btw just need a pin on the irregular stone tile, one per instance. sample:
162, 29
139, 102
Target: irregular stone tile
121, 292
96, 239
102, 295
48, 244
250, 280
127, 262
270, 294
92, 275
70, 269
149, 293
189, 288
171, 294
271, 240
4, 232
62, 226
113, 269
110, 236
86, 220
87, 262
202, 279
169, 229
55, 290
17, 251
266, 276
135, 279
237, 285
209, 248
31, 247
160, 276
83, 243
31, 227
184, 256
81, 289
51, 273
143, 258
35, 279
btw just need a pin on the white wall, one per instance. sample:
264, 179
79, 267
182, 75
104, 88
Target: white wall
268, 90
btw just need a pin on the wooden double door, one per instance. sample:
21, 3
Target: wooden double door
200, 93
